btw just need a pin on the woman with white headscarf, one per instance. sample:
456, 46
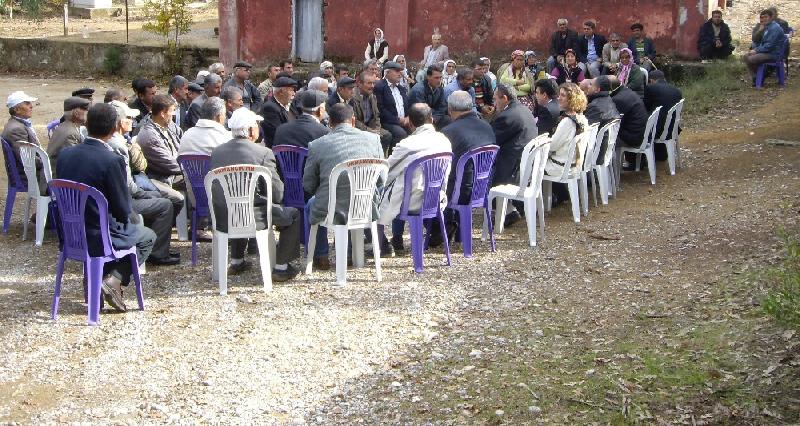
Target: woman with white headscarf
377, 48
449, 72
408, 79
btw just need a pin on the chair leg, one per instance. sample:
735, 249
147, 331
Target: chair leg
262, 239
540, 210
95, 278
181, 222
445, 237
547, 195
638, 161
760, 76
583, 192
592, 175
137, 280
572, 186
417, 241
651, 164
26, 218
376, 250
42, 204
312, 243
214, 256
10, 197
781, 75
357, 244
602, 184
500, 206
487, 222
273, 249
678, 162
670, 145
465, 229
57, 291
221, 246
530, 218
194, 237
340, 234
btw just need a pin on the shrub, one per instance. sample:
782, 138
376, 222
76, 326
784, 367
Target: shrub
783, 298
113, 60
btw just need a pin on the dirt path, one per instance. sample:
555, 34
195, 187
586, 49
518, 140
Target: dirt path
639, 313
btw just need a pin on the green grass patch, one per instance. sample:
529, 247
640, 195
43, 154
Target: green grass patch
709, 91
783, 281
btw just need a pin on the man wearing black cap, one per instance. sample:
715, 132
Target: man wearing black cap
308, 125
343, 92
393, 102
241, 79
68, 132
195, 90
278, 109
85, 93
659, 93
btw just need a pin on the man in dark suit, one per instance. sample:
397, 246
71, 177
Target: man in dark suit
561, 41
547, 109
590, 49
634, 114
306, 127
93, 163
393, 102
513, 128
601, 108
243, 149
212, 84
365, 108
278, 109
343, 93
659, 93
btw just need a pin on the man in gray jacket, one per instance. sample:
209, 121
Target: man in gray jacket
343, 143
68, 133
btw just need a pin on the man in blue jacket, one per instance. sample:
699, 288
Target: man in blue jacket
714, 41
430, 92
770, 49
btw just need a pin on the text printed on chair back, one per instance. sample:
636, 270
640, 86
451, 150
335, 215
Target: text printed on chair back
363, 175
435, 170
238, 184
291, 162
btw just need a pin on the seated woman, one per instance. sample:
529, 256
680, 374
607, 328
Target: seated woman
572, 102
377, 48
629, 74
449, 74
408, 79
568, 71
535, 69
518, 76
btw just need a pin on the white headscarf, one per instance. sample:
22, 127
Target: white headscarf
379, 39
448, 78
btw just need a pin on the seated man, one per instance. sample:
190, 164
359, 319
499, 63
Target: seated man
714, 41
308, 126
393, 102
423, 140
343, 143
115, 95
68, 133
179, 90
218, 68
19, 128
562, 40
611, 53
659, 93
278, 109
644, 50
212, 85
634, 114
160, 139
233, 100
195, 91
429, 91
365, 108
343, 92
482, 85
463, 81
145, 91
251, 97
243, 149
209, 132
265, 88
590, 50
769, 49
94, 164
547, 110
600, 108
466, 132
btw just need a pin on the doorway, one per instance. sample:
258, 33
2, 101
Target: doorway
307, 43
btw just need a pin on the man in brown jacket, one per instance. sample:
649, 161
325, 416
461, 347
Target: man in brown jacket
68, 133
365, 107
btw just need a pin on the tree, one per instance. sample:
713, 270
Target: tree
168, 18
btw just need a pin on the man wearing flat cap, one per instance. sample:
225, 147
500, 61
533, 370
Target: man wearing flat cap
308, 125
243, 149
393, 102
278, 109
19, 128
241, 79
85, 93
68, 133
343, 92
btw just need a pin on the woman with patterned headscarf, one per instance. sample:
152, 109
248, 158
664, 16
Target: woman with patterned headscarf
377, 48
518, 76
629, 74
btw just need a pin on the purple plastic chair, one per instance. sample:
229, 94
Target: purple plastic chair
15, 184
51, 126
195, 168
291, 162
71, 200
434, 172
779, 66
482, 159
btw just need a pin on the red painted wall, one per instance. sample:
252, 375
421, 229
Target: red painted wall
469, 27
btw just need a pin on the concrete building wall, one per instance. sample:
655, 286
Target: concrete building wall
469, 27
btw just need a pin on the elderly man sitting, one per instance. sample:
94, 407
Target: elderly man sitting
278, 109
68, 133
243, 149
209, 132
19, 128
423, 140
308, 126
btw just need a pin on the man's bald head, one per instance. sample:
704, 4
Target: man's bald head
588, 86
613, 81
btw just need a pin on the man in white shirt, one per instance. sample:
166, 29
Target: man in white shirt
209, 132
393, 102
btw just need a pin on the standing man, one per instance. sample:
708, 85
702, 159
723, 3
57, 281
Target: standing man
68, 133
393, 102
240, 79
436, 52
212, 84
365, 108
590, 50
770, 49
561, 41
179, 90
430, 92
278, 109
644, 51
265, 88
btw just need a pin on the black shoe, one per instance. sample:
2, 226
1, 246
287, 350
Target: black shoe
175, 254
511, 219
436, 239
112, 296
386, 251
252, 248
239, 268
204, 236
164, 261
397, 245
285, 275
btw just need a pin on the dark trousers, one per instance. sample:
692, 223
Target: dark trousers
172, 193
122, 268
398, 134
287, 223
713, 52
157, 214
756, 59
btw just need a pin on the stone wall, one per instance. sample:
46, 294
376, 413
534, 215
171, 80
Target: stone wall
744, 15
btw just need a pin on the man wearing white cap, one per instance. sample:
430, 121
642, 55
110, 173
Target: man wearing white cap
19, 128
243, 149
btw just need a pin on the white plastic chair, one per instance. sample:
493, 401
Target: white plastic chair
529, 190
28, 153
673, 120
604, 172
645, 148
182, 220
586, 172
239, 184
363, 175
570, 174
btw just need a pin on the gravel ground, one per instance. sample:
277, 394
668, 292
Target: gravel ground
309, 353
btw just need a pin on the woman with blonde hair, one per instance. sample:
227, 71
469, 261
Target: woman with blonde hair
518, 76
573, 103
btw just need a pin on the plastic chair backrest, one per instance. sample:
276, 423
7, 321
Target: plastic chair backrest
526, 162
575, 145
482, 159
71, 200
589, 147
11, 167
602, 133
650, 129
613, 131
52, 126
673, 120
291, 163
195, 167
363, 174
238, 182
435, 171
538, 161
28, 153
